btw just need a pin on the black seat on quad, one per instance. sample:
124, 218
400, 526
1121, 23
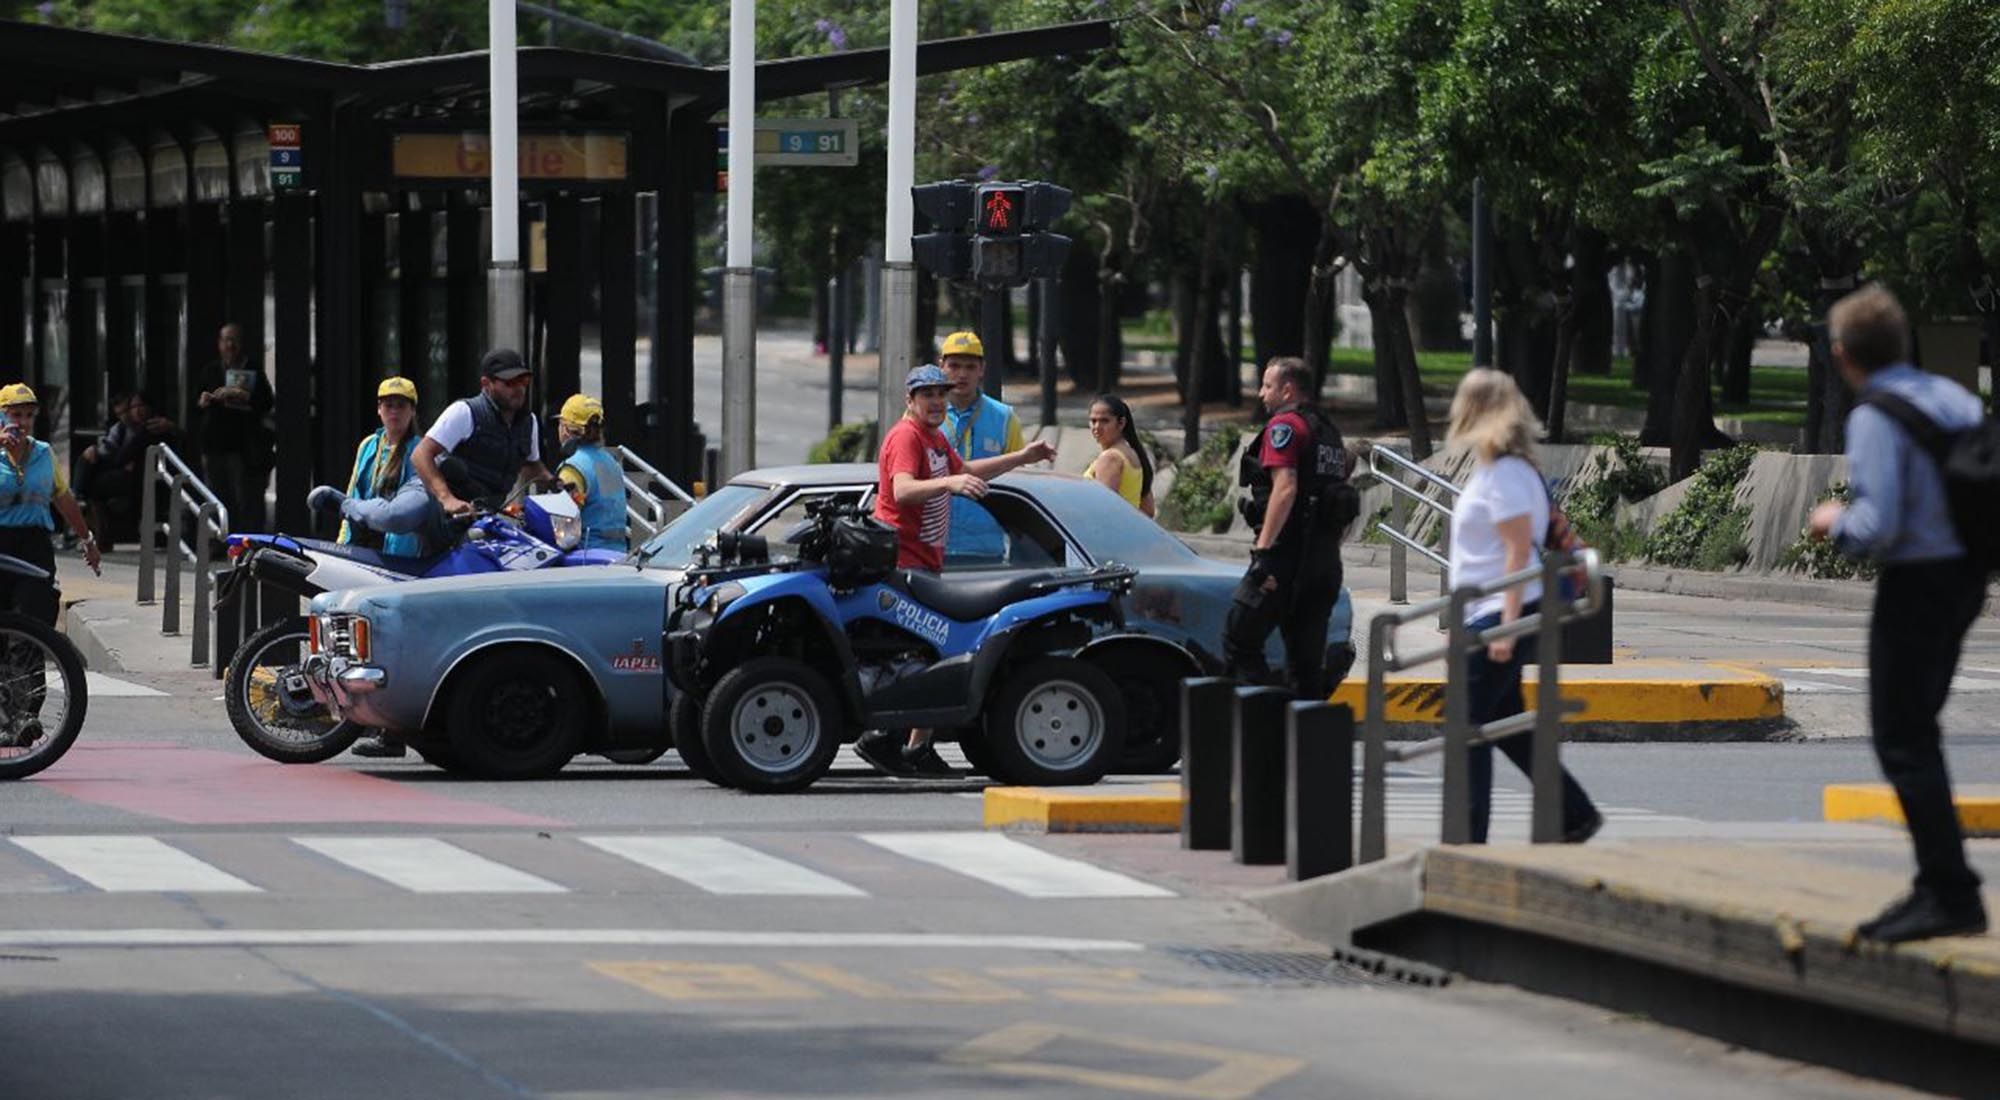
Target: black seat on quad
412, 567
974, 595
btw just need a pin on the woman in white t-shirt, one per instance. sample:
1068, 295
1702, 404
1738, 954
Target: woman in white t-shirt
1499, 523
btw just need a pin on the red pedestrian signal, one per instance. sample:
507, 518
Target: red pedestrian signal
1000, 210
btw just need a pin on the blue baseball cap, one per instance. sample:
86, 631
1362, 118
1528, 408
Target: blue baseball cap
924, 377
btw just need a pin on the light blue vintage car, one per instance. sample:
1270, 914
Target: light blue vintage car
511, 676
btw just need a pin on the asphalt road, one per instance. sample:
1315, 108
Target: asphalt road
181, 918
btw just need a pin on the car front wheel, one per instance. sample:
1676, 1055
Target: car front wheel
518, 714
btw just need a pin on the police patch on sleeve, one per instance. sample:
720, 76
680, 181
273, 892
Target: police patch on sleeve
1281, 436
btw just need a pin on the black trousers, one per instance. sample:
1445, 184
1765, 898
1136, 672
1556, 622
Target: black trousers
36, 599
1496, 693
1922, 612
1308, 587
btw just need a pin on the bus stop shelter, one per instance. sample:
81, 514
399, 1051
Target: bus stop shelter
151, 191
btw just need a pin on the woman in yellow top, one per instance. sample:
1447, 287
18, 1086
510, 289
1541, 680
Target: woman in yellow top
1121, 465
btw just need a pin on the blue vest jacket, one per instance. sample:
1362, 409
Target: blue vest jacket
604, 498
978, 432
25, 493
361, 486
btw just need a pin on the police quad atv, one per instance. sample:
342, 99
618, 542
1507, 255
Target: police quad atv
777, 664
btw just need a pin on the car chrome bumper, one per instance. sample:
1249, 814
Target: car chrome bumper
339, 683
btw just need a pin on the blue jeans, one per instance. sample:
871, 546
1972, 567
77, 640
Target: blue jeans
1496, 693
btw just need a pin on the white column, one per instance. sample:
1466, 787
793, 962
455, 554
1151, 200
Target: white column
899, 275
739, 277
505, 287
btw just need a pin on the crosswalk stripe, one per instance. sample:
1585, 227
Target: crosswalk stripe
426, 865
133, 863
1012, 865
723, 866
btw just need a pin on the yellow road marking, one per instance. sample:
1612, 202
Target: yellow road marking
703, 981
948, 986
1234, 1075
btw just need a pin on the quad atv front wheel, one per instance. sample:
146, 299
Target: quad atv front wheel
1058, 721
772, 725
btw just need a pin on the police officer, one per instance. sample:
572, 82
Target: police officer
594, 479
979, 427
30, 483
1299, 503
382, 466
493, 435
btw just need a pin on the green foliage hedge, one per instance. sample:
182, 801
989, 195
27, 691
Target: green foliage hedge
1818, 557
846, 443
1199, 500
1707, 530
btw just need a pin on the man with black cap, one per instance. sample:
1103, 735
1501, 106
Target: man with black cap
493, 436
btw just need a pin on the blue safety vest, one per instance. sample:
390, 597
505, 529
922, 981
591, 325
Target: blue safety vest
361, 486
603, 509
978, 432
25, 492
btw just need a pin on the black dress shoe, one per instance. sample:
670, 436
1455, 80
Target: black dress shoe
924, 762
1923, 915
1585, 831
379, 747
884, 750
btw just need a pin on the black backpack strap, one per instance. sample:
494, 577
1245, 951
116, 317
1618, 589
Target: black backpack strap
1922, 429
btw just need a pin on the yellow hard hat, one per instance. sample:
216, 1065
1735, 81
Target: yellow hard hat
397, 387
17, 393
963, 343
581, 409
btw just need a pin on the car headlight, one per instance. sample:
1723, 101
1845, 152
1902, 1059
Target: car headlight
568, 530
722, 595
346, 636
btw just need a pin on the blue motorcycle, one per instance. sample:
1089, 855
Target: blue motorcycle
265, 691
778, 664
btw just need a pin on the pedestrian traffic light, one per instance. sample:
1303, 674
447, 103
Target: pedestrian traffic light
1009, 223
947, 251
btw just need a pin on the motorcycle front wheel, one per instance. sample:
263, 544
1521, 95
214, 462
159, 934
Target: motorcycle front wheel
43, 697
271, 707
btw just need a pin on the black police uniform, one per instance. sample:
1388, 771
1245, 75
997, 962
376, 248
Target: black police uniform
1304, 559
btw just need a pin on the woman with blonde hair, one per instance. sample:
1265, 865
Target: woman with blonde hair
1498, 526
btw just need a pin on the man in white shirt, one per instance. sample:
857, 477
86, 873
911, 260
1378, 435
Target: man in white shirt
493, 436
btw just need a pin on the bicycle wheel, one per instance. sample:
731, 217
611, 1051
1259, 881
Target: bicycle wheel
43, 697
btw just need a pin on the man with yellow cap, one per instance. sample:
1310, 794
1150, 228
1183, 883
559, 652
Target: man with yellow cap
382, 466
979, 427
30, 484
594, 478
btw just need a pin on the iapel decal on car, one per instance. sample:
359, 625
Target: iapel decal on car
636, 661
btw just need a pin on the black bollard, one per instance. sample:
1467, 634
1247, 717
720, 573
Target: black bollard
1319, 790
1208, 717
1257, 797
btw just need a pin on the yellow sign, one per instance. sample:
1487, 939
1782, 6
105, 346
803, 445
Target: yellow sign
543, 156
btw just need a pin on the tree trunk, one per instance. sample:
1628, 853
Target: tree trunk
1590, 286
1077, 319
1110, 341
1232, 373
1669, 331
1281, 274
1742, 345
1412, 383
1389, 408
1693, 421
1645, 352
1204, 373
1568, 321
1320, 290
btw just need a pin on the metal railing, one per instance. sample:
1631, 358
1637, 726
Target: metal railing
1557, 608
211, 530
647, 511
1434, 492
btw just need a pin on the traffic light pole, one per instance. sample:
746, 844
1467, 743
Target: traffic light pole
899, 274
505, 286
993, 333
1047, 336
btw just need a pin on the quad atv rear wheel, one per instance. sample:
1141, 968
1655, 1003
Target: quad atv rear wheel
772, 725
1054, 722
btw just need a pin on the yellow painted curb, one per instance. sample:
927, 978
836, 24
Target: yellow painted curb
1978, 807
1153, 808
1635, 701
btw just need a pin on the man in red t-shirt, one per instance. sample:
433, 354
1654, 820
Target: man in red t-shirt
919, 474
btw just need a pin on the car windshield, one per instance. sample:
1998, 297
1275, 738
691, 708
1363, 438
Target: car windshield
673, 547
